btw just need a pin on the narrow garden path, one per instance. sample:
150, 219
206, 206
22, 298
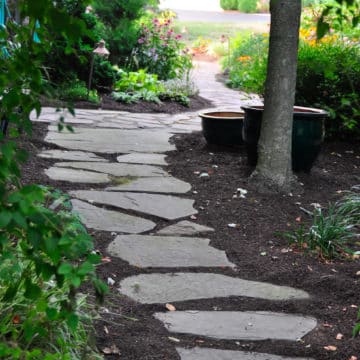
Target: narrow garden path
136, 189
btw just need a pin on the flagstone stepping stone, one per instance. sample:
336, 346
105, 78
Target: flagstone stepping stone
111, 141
164, 206
166, 185
116, 169
217, 354
184, 227
76, 176
70, 155
164, 288
143, 158
165, 251
101, 219
231, 325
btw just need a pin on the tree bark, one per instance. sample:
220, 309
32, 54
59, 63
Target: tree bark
273, 171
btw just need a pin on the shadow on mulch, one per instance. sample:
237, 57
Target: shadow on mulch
252, 246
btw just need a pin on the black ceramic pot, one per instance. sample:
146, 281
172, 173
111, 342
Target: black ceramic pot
308, 135
222, 127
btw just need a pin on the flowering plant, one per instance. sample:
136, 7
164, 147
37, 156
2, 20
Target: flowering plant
160, 50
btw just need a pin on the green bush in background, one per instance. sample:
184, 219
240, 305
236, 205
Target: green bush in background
229, 4
247, 6
328, 77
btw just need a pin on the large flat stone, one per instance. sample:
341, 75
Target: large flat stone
112, 140
186, 228
70, 155
116, 169
76, 176
164, 288
217, 354
143, 158
154, 184
159, 251
101, 219
233, 325
164, 206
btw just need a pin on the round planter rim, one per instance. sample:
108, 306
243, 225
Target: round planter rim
208, 115
304, 111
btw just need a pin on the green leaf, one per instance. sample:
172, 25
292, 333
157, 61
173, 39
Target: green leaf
51, 313
85, 268
5, 218
65, 269
32, 291
73, 321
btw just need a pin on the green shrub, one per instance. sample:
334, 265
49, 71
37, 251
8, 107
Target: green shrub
247, 6
229, 4
160, 50
248, 61
135, 86
328, 77
76, 91
122, 25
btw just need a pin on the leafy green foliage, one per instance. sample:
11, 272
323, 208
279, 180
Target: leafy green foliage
45, 253
135, 86
328, 76
247, 6
332, 233
229, 4
76, 91
160, 50
121, 20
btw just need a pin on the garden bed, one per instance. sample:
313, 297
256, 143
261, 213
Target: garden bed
108, 103
251, 245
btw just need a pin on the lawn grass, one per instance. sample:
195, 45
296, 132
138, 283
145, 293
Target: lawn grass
213, 31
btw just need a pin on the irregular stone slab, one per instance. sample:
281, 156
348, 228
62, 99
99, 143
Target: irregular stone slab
116, 169
231, 325
143, 158
164, 206
101, 219
166, 251
184, 228
154, 184
112, 140
70, 155
165, 288
217, 354
76, 176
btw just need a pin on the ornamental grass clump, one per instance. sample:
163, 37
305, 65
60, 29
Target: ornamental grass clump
160, 50
333, 232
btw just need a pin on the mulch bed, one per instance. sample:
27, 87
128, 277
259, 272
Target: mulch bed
108, 103
258, 253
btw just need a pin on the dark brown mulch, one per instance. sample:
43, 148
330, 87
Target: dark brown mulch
252, 246
108, 103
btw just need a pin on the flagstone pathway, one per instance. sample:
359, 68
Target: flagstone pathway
138, 181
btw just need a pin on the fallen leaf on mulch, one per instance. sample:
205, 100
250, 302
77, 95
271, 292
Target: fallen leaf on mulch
327, 325
330, 348
173, 339
339, 336
170, 307
105, 259
298, 219
353, 358
106, 330
113, 349
354, 306
358, 273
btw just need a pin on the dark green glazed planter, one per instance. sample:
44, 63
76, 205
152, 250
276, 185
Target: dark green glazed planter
222, 127
308, 135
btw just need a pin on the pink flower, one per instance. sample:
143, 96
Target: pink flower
141, 40
178, 37
156, 21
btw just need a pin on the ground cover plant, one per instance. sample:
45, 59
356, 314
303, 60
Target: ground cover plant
45, 253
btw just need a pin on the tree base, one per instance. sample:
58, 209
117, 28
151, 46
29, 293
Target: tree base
270, 184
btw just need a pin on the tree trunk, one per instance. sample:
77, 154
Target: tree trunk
273, 169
